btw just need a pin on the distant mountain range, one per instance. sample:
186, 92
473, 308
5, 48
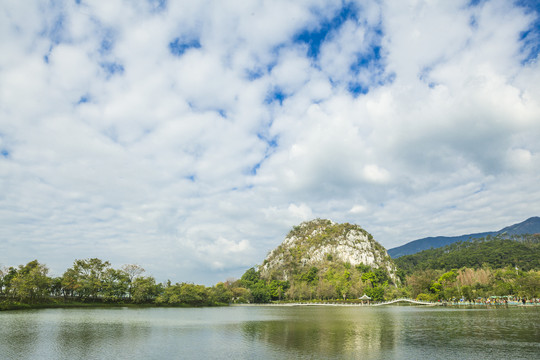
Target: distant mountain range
529, 226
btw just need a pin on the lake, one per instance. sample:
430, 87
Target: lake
272, 332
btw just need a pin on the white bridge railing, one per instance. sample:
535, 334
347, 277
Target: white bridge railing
407, 300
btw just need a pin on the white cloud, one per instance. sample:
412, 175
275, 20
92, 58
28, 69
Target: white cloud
196, 164
358, 209
301, 212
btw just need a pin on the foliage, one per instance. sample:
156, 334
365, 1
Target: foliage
470, 283
132, 272
86, 278
144, 289
28, 283
184, 294
495, 253
330, 280
94, 281
259, 290
221, 293
376, 293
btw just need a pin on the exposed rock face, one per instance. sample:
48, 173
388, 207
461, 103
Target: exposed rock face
319, 241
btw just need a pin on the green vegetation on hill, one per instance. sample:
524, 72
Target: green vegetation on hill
333, 280
471, 284
480, 268
495, 252
320, 259
325, 230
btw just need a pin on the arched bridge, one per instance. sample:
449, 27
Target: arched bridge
407, 300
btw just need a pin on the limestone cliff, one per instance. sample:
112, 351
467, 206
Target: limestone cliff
319, 242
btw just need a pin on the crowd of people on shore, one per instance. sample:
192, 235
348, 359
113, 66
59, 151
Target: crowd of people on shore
495, 300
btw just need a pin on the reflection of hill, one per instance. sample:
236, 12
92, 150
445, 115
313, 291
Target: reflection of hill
328, 332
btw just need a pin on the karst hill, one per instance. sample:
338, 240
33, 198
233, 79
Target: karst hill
322, 244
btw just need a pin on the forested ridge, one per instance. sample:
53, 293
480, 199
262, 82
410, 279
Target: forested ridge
514, 232
495, 252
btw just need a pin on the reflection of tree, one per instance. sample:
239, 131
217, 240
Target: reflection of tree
18, 334
325, 332
86, 335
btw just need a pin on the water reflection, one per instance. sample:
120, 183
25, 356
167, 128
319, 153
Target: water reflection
271, 333
329, 333
21, 336
95, 338
401, 333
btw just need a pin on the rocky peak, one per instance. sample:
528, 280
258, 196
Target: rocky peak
319, 242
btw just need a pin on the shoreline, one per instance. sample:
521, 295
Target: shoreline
400, 302
376, 305
97, 305
445, 304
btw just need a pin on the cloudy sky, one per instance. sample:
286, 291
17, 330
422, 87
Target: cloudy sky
189, 136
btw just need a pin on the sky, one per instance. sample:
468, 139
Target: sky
190, 136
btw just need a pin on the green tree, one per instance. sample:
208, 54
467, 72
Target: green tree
86, 278
343, 284
132, 271
448, 277
31, 282
467, 292
436, 288
250, 277
381, 275
529, 285
363, 268
184, 294
260, 292
241, 295
420, 281
115, 285
278, 288
311, 276
1, 282
9, 274
369, 276
325, 289
144, 289
221, 293
70, 284
56, 286
376, 293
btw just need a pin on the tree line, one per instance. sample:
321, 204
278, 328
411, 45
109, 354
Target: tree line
332, 280
470, 284
95, 281
427, 284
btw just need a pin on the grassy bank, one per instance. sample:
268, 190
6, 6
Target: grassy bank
5, 306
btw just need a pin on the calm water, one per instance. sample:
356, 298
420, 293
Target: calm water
394, 332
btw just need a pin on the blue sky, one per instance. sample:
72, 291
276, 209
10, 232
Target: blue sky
190, 136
